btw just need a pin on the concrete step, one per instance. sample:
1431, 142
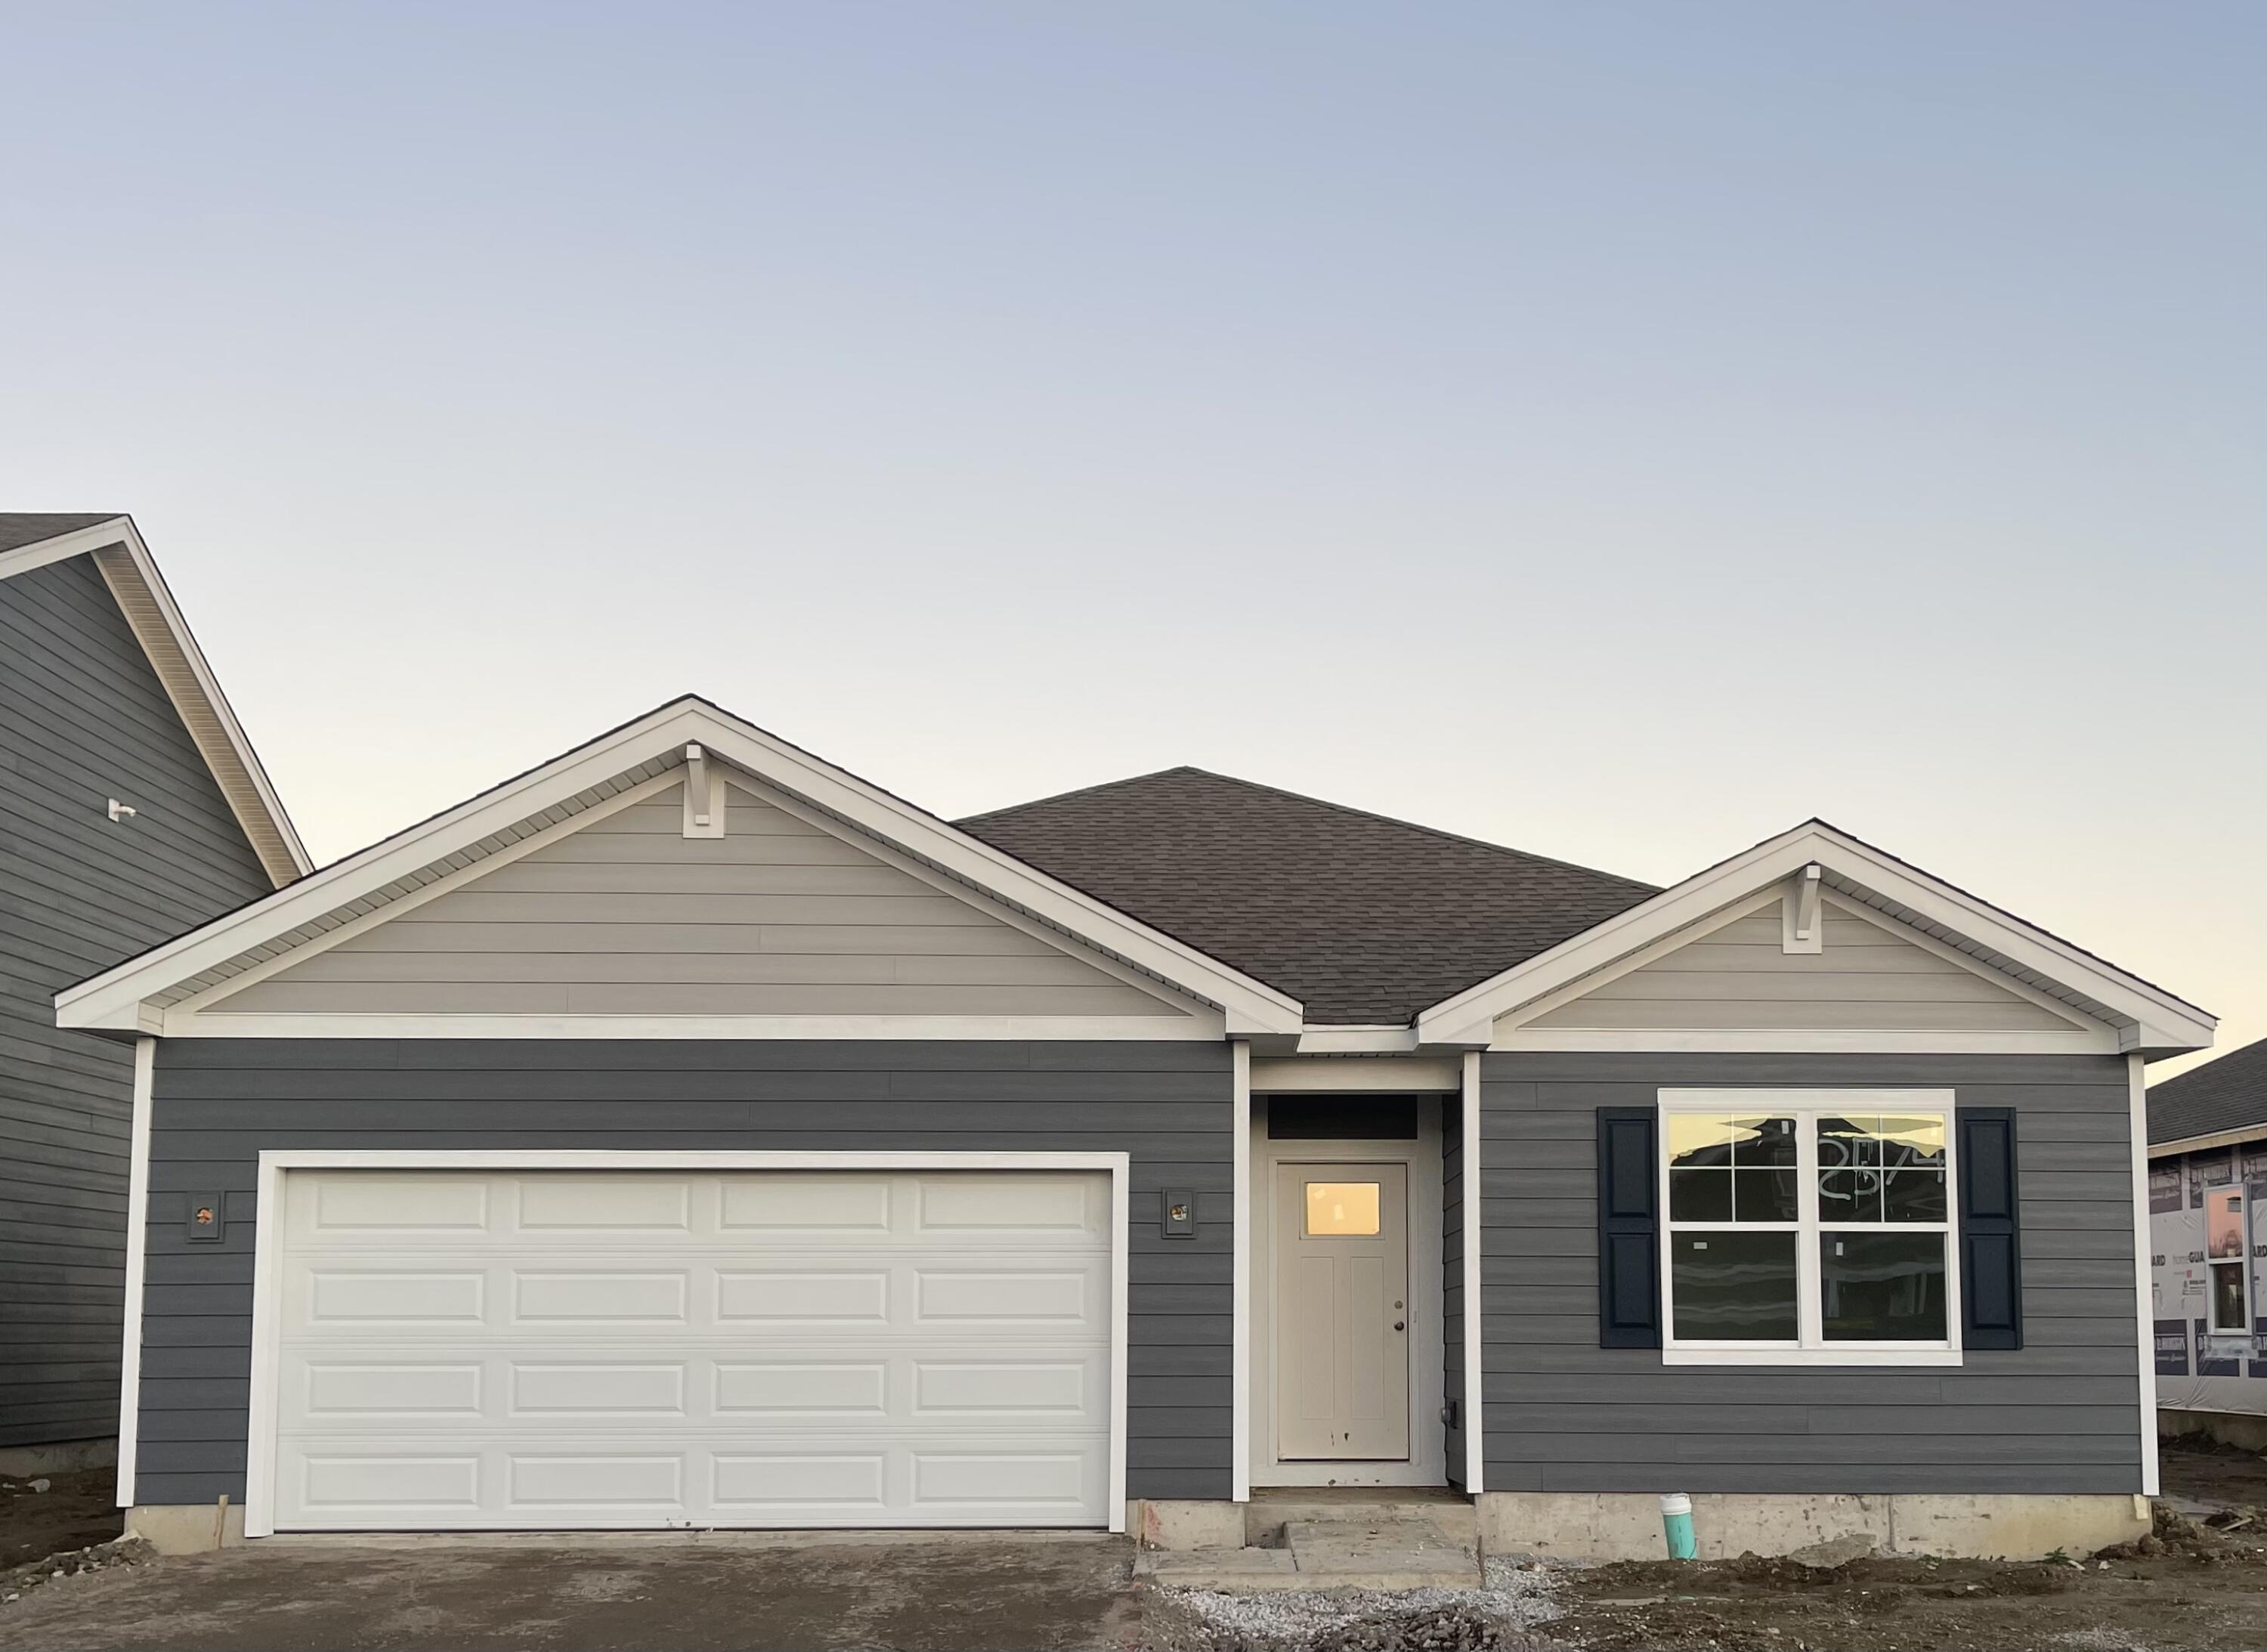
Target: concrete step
1322, 1555
1450, 1513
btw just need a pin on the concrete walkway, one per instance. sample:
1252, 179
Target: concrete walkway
947, 1592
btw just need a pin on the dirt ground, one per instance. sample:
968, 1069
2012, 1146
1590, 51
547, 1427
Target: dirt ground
2193, 1587
978, 1594
74, 1511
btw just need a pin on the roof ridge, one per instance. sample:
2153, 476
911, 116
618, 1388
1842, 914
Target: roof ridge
1083, 791
1527, 856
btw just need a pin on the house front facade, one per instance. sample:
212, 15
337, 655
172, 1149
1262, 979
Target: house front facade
688, 1133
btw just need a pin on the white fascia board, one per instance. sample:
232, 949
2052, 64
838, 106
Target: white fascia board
122, 530
1205, 1029
112, 999
2236, 1137
2162, 1022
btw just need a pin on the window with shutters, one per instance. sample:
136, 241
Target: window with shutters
1808, 1227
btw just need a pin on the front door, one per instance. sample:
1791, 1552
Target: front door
1341, 1355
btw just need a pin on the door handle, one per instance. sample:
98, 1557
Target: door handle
1396, 1325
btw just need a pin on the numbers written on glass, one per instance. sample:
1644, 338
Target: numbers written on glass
1809, 1228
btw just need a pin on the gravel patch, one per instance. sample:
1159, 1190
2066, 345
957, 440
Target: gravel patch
1517, 1596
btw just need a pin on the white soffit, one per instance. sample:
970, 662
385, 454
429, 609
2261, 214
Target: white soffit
140, 591
134, 995
2144, 1017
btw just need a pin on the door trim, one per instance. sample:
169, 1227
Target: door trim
1428, 1464
268, 1254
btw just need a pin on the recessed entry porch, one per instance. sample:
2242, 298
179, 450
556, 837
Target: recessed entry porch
1349, 1299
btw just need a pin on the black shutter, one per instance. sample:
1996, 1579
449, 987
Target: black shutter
1629, 1238
1991, 1243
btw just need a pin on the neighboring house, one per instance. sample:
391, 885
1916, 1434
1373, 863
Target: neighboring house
2208, 1222
131, 808
687, 1132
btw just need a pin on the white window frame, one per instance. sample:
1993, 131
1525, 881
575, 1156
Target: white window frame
2242, 1263
1806, 1106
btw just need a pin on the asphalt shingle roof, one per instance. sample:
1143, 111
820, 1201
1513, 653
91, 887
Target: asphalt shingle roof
1364, 919
19, 528
2229, 1093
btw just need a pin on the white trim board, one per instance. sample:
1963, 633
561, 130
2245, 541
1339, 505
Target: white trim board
116, 999
137, 1268
2145, 1310
1239, 1426
189, 680
1475, 1413
268, 1253
2154, 1020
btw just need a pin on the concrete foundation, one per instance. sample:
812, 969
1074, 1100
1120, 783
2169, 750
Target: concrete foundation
1626, 1526
1184, 1523
60, 1457
186, 1528
2244, 1432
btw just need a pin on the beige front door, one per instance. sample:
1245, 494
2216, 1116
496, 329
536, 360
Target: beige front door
1341, 1352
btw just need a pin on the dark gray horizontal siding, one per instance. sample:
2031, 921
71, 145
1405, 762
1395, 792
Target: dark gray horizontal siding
1563, 1414
219, 1102
83, 719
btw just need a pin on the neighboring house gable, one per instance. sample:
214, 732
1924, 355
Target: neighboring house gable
626, 915
1866, 976
86, 717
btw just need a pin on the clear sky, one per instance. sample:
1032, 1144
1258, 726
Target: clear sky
1619, 431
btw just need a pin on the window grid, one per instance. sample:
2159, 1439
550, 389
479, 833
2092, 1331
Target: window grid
1807, 1108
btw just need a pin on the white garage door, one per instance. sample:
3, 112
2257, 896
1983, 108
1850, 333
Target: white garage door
654, 1348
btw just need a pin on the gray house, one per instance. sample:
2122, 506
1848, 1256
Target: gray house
687, 1132
131, 808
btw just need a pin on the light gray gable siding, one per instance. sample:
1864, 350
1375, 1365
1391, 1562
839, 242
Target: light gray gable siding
1865, 977
83, 719
1563, 1414
218, 1102
626, 915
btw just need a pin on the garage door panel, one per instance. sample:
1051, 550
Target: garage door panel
361, 1295
582, 1204
785, 1388
545, 1349
597, 1390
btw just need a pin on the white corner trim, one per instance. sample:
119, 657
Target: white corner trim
268, 1254
1475, 1417
1239, 1413
137, 1267
2144, 1303
2164, 1022
113, 999
121, 531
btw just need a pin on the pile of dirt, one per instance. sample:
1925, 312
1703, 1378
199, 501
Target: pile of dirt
2186, 1585
53, 1514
